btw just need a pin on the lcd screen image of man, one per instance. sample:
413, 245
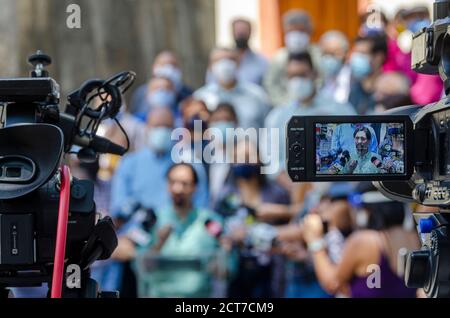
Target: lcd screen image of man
354, 148
363, 161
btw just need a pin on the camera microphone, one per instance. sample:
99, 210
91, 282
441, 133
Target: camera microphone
103, 145
376, 162
100, 145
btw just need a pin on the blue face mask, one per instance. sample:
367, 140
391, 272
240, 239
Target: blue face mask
330, 66
171, 72
245, 171
161, 98
222, 126
159, 139
300, 88
360, 65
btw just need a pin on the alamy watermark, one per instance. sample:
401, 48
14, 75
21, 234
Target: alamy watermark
73, 20
223, 147
374, 17
73, 276
374, 279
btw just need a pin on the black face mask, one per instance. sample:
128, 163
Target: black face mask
190, 123
241, 43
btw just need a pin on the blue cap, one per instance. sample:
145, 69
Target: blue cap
426, 225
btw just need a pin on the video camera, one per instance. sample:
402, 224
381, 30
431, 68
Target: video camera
34, 137
405, 152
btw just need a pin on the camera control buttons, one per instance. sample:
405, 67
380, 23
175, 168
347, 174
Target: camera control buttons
296, 155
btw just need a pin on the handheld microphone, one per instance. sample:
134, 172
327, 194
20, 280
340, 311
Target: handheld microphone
345, 157
376, 162
214, 228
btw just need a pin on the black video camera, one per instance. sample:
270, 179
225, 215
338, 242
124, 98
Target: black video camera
405, 152
34, 137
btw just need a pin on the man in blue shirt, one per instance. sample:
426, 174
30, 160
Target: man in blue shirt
166, 65
141, 179
249, 100
362, 160
252, 66
183, 246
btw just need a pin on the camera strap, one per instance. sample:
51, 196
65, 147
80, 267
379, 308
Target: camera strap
61, 233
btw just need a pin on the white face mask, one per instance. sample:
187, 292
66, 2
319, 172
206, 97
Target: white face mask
360, 65
300, 88
224, 71
296, 41
159, 139
330, 66
361, 219
173, 73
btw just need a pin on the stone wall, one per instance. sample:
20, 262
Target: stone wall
115, 35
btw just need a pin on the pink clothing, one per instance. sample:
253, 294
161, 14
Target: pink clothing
425, 89
397, 61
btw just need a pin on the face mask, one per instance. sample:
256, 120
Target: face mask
360, 65
330, 66
245, 171
296, 41
241, 43
224, 71
361, 219
161, 98
222, 126
300, 88
171, 72
190, 123
159, 139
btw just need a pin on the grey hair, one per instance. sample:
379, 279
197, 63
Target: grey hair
336, 35
296, 16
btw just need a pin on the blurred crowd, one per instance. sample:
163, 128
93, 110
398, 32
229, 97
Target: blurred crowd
197, 229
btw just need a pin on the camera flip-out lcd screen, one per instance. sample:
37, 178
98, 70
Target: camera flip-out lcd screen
360, 148
349, 148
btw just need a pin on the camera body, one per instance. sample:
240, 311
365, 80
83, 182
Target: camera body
409, 161
34, 138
